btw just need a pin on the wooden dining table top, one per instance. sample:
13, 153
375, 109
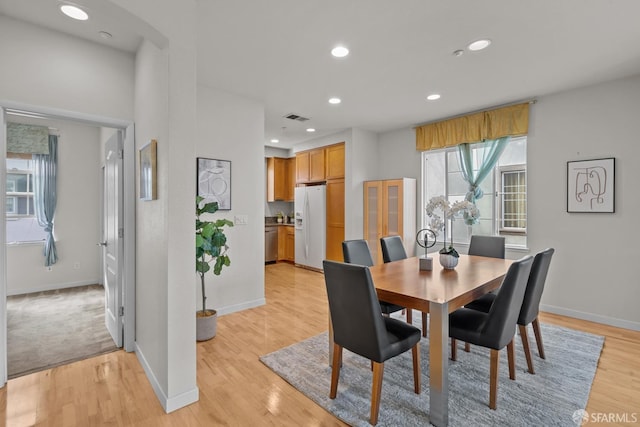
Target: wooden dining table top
403, 283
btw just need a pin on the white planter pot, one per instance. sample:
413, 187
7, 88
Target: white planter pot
448, 261
206, 326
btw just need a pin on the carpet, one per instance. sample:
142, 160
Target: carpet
559, 387
48, 329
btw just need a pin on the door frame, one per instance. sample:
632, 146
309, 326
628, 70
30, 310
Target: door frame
129, 200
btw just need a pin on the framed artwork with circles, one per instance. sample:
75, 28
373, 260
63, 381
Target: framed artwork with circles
214, 181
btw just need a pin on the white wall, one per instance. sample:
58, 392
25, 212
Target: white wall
232, 128
77, 217
592, 275
45, 68
165, 109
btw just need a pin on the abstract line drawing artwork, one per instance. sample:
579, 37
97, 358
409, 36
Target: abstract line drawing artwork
590, 185
214, 181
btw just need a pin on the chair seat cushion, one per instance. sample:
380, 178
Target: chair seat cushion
483, 303
402, 337
388, 308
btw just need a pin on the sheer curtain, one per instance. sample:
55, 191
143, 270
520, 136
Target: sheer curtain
488, 156
46, 195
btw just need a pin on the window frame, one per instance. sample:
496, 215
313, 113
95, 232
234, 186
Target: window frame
495, 216
499, 178
30, 195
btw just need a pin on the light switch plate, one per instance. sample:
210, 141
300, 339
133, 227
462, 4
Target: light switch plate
241, 219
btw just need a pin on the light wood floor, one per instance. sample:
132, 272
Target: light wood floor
236, 389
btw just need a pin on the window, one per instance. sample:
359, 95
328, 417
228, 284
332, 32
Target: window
22, 225
503, 209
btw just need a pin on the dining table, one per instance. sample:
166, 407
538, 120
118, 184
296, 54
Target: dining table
438, 291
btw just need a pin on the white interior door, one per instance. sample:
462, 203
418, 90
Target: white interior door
112, 243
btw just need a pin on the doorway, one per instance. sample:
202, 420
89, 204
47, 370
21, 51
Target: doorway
126, 290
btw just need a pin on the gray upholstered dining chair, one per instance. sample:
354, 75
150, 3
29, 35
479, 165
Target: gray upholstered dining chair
496, 328
393, 250
357, 252
530, 305
360, 327
491, 246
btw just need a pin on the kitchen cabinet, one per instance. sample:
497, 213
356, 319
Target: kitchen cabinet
286, 243
334, 156
279, 183
320, 164
290, 179
335, 219
390, 209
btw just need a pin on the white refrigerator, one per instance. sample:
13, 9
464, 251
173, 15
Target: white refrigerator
310, 225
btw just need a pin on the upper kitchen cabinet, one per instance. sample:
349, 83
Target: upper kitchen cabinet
390, 209
279, 182
334, 158
320, 164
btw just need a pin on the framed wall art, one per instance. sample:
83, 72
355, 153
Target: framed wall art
148, 181
591, 185
214, 181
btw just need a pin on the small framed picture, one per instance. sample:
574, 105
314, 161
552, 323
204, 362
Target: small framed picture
148, 181
214, 181
591, 185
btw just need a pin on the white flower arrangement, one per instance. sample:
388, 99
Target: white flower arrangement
449, 211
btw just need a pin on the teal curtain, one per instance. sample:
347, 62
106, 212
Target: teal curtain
488, 156
45, 182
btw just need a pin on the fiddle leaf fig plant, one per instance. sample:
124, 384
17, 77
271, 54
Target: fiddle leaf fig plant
211, 244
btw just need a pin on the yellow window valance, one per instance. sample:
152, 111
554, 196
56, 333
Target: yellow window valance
506, 121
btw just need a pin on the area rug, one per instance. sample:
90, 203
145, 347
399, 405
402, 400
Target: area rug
48, 329
559, 388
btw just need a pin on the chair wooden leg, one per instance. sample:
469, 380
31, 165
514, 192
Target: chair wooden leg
376, 389
536, 331
424, 324
467, 347
409, 316
417, 374
511, 358
335, 370
493, 378
525, 346
453, 349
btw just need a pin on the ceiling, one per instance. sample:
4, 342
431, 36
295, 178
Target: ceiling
278, 53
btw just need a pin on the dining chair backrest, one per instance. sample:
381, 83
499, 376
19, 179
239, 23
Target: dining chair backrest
490, 246
500, 325
535, 286
357, 321
392, 248
357, 252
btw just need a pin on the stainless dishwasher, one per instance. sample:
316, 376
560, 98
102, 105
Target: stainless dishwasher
270, 243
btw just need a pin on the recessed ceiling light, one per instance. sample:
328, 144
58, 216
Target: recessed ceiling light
311, 130
105, 35
335, 100
479, 44
458, 52
433, 96
74, 12
275, 141
339, 51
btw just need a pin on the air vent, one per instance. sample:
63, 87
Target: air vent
295, 117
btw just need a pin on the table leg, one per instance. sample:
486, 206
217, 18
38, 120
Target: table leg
438, 364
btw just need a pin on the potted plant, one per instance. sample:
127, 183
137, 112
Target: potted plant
211, 246
448, 255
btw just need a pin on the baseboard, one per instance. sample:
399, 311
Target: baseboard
51, 287
239, 307
611, 321
168, 404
